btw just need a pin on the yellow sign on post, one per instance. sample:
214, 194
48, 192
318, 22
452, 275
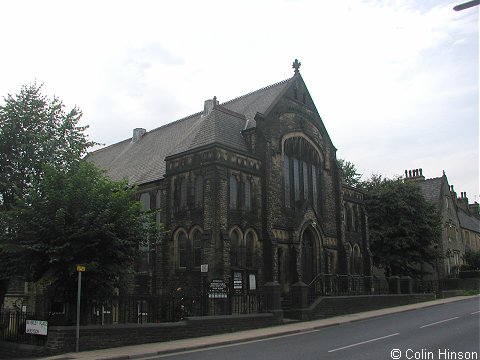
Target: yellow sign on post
80, 268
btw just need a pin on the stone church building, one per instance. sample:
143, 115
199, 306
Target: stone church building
249, 187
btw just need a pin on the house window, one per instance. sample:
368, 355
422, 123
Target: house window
233, 192
197, 248
248, 195
199, 191
286, 179
145, 202
182, 243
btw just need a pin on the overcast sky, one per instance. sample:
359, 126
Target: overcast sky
395, 82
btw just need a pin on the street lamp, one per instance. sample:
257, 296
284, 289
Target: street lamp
466, 5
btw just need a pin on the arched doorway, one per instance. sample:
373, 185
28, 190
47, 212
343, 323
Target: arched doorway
308, 256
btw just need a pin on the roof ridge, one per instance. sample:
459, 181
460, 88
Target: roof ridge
175, 121
107, 147
229, 112
256, 91
435, 178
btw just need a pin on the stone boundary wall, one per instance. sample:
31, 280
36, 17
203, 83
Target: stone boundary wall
329, 306
61, 339
340, 305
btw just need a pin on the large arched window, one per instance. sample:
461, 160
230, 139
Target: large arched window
305, 180
286, 179
314, 187
301, 165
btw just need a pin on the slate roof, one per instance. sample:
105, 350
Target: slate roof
144, 160
431, 189
467, 221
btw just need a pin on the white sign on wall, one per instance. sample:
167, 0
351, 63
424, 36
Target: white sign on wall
37, 327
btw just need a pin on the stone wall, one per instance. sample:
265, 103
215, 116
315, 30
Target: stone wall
340, 305
62, 338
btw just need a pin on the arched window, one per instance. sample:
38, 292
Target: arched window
158, 206
351, 264
349, 218
235, 249
199, 191
197, 248
249, 250
144, 246
183, 193
182, 252
248, 195
286, 179
233, 193
296, 179
305, 180
357, 258
301, 166
314, 187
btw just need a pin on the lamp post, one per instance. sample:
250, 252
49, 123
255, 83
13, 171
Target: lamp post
466, 5
80, 269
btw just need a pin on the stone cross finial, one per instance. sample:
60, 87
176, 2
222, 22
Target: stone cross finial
296, 65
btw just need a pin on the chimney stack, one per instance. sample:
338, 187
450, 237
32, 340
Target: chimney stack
414, 175
137, 134
209, 105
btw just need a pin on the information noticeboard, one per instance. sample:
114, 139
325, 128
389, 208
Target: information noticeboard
36, 327
218, 289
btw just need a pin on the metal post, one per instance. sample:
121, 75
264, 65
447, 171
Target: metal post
79, 290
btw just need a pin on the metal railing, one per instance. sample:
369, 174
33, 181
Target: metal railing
13, 325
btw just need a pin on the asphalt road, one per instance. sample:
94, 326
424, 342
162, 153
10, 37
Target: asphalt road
443, 332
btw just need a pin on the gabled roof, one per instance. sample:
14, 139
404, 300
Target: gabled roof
431, 189
143, 161
467, 221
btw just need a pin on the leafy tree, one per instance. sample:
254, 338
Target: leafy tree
74, 217
404, 228
472, 259
35, 132
350, 174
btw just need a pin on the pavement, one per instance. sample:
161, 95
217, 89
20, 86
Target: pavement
152, 349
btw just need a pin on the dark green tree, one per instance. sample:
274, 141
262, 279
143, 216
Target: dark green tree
472, 259
74, 217
404, 228
350, 174
35, 132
